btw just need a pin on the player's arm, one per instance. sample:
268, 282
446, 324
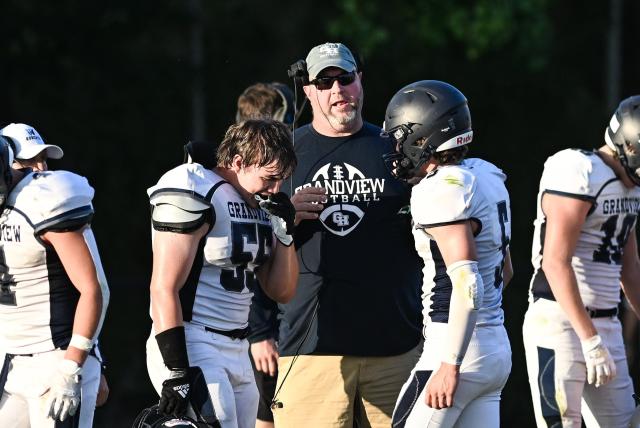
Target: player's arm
565, 217
278, 276
77, 261
173, 256
457, 246
63, 393
630, 277
507, 271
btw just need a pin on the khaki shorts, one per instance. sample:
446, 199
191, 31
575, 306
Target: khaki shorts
320, 390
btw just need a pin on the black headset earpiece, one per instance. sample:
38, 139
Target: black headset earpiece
298, 72
285, 113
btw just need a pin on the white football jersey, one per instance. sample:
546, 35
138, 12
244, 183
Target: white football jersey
37, 299
473, 190
218, 290
597, 261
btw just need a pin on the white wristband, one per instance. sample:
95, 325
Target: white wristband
81, 342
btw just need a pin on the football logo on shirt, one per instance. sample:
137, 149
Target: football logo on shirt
349, 193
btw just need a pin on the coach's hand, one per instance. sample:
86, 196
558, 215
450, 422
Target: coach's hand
442, 386
176, 391
64, 391
309, 202
600, 366
265, 356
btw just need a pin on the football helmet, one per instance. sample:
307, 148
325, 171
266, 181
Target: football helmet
152, 418
623, 136
285, 113
6, 160
423, 118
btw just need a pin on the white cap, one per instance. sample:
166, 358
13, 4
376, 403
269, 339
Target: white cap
29, 143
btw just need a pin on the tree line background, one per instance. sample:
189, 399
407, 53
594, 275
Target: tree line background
121, 86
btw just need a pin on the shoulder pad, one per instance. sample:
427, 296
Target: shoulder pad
484, 167
186, 178
179, 212
569, 172
443, 197
54, 200
179, 202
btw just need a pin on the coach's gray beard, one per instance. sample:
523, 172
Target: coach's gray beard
343, 119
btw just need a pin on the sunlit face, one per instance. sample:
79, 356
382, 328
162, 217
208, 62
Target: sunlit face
340, 105
258, 180
37, 163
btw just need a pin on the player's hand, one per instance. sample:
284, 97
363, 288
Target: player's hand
283, 215
176, 390
265, 356
600, 366
103, 391
442, 386
63, 394
309, 202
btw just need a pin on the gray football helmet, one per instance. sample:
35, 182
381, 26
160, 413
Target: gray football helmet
623, 136
6, 160
423, 118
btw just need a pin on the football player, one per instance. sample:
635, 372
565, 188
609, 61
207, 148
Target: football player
53, 296
462, 228
584, 250
32, 152
213, 230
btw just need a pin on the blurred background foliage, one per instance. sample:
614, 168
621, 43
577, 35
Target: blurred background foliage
122, 86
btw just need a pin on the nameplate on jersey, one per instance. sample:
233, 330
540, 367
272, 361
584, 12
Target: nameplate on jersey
241, 210
10, 233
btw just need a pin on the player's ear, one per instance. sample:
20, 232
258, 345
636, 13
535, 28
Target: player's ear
236, 163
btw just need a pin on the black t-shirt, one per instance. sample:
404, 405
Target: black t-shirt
358, 267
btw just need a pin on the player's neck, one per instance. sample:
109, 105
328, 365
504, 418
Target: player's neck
611, 160
231, 177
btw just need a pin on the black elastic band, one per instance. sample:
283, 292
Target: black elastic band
173, 347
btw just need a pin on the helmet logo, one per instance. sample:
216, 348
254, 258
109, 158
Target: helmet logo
463, 139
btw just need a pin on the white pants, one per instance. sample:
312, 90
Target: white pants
483, 374
226, 367
558, 373
22, 403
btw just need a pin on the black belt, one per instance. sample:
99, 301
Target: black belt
602, 313
239, 333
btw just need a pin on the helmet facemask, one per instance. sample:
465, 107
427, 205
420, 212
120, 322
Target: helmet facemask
410, 154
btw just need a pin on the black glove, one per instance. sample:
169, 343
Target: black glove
283, 215
176, 391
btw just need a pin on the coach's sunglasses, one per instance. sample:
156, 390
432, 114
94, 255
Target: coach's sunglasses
324, 83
